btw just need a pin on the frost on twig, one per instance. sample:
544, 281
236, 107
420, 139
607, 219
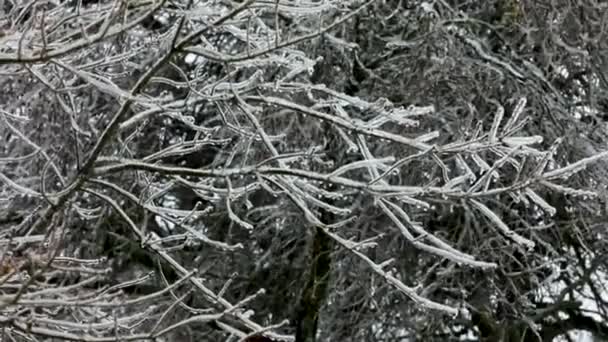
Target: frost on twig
189, 149
502, 227
391, 279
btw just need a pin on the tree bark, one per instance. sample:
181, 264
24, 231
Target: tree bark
315, 290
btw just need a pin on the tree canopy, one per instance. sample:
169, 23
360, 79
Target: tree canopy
303, 170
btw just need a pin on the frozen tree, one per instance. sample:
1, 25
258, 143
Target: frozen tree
302, 170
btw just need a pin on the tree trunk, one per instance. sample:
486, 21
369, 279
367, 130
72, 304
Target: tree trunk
315, 290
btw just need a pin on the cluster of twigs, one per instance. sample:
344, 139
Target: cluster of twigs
98, 151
